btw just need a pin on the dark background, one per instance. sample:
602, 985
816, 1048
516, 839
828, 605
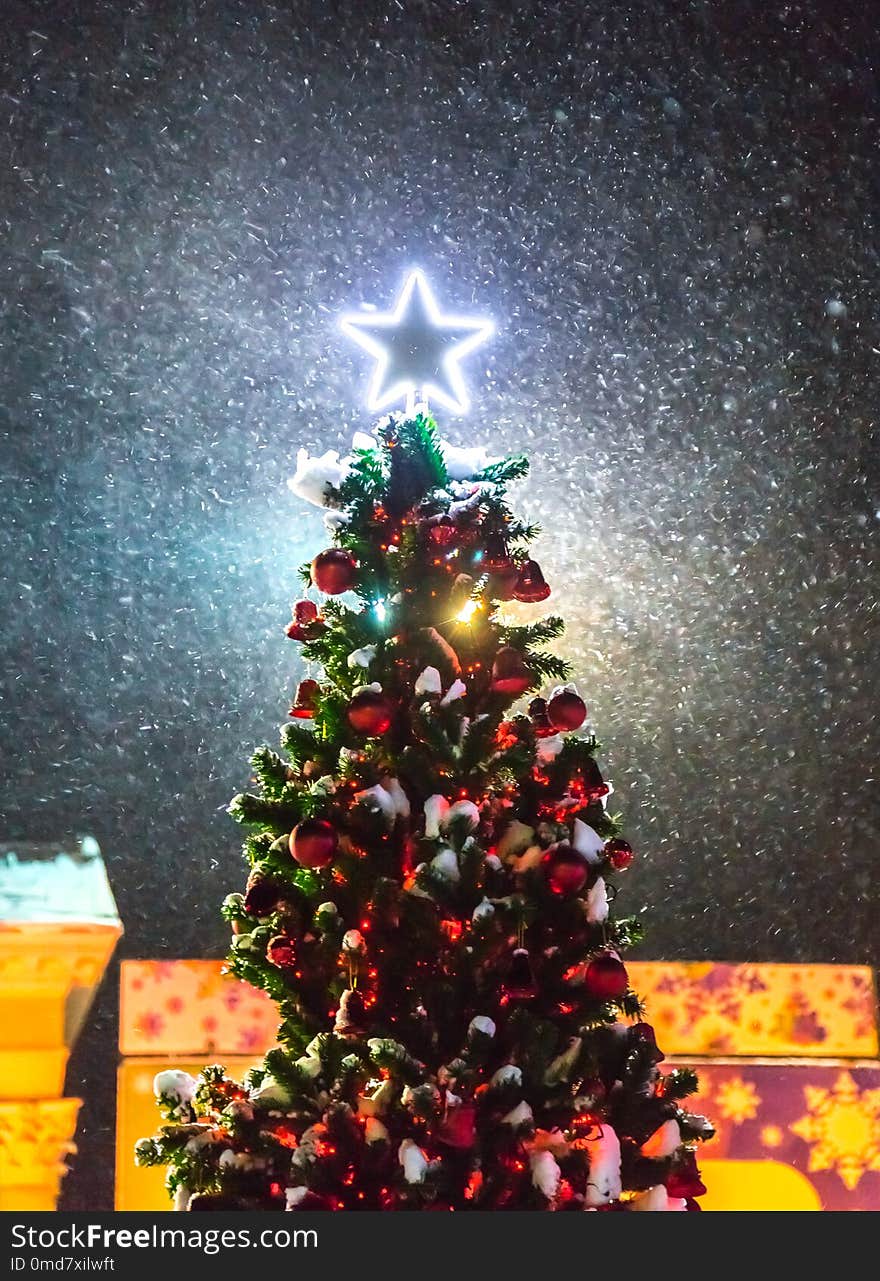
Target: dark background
670, 210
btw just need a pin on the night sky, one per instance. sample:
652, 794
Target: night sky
669, 209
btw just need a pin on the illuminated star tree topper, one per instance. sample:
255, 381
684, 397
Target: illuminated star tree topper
417, 349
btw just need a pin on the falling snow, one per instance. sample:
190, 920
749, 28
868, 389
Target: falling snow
669, 211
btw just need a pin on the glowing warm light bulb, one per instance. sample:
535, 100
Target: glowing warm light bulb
467, 611
417, 348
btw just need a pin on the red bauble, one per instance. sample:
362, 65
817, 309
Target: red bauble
281, 952
334, 571
502, 583
565, 869
641, 1038
313, 842
443, 532
531, 586
305, 700
305, 612
458, 1130
510, 676
567, 710
541, 722
606, 978
519, 982
619, 854
495, 558
370, 713
261, 894
684, 1178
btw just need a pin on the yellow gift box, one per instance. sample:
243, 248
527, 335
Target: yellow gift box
58, 928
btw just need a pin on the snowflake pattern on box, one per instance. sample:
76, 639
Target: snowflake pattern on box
820, 1118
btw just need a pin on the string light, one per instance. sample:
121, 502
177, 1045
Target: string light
467, 611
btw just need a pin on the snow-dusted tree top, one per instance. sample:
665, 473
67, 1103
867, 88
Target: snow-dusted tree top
316, 474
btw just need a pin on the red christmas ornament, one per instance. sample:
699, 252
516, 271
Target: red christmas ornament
503, 582
619, 853
531, 586
684, 1178
261, 894
519, 982
606, 978
459, 1127
567, 710
305, 700
565, 869
281, 952
495, 558
541, 722
334, 571
313, 842
305, 612
443, 532
510, 676
370, 713
642, 1039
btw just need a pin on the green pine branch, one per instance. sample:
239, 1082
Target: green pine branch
506, 470
272, 772
537, 633
547, 667
257, 811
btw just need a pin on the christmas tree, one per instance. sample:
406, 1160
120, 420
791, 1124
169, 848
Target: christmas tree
432, 869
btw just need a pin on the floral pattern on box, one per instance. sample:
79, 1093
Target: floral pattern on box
821, 1119
774, 1010
191, 1007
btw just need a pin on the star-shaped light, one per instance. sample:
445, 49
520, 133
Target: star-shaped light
417, 349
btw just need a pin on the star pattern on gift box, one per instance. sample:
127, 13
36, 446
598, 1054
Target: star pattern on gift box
737, 1100
842, 1127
